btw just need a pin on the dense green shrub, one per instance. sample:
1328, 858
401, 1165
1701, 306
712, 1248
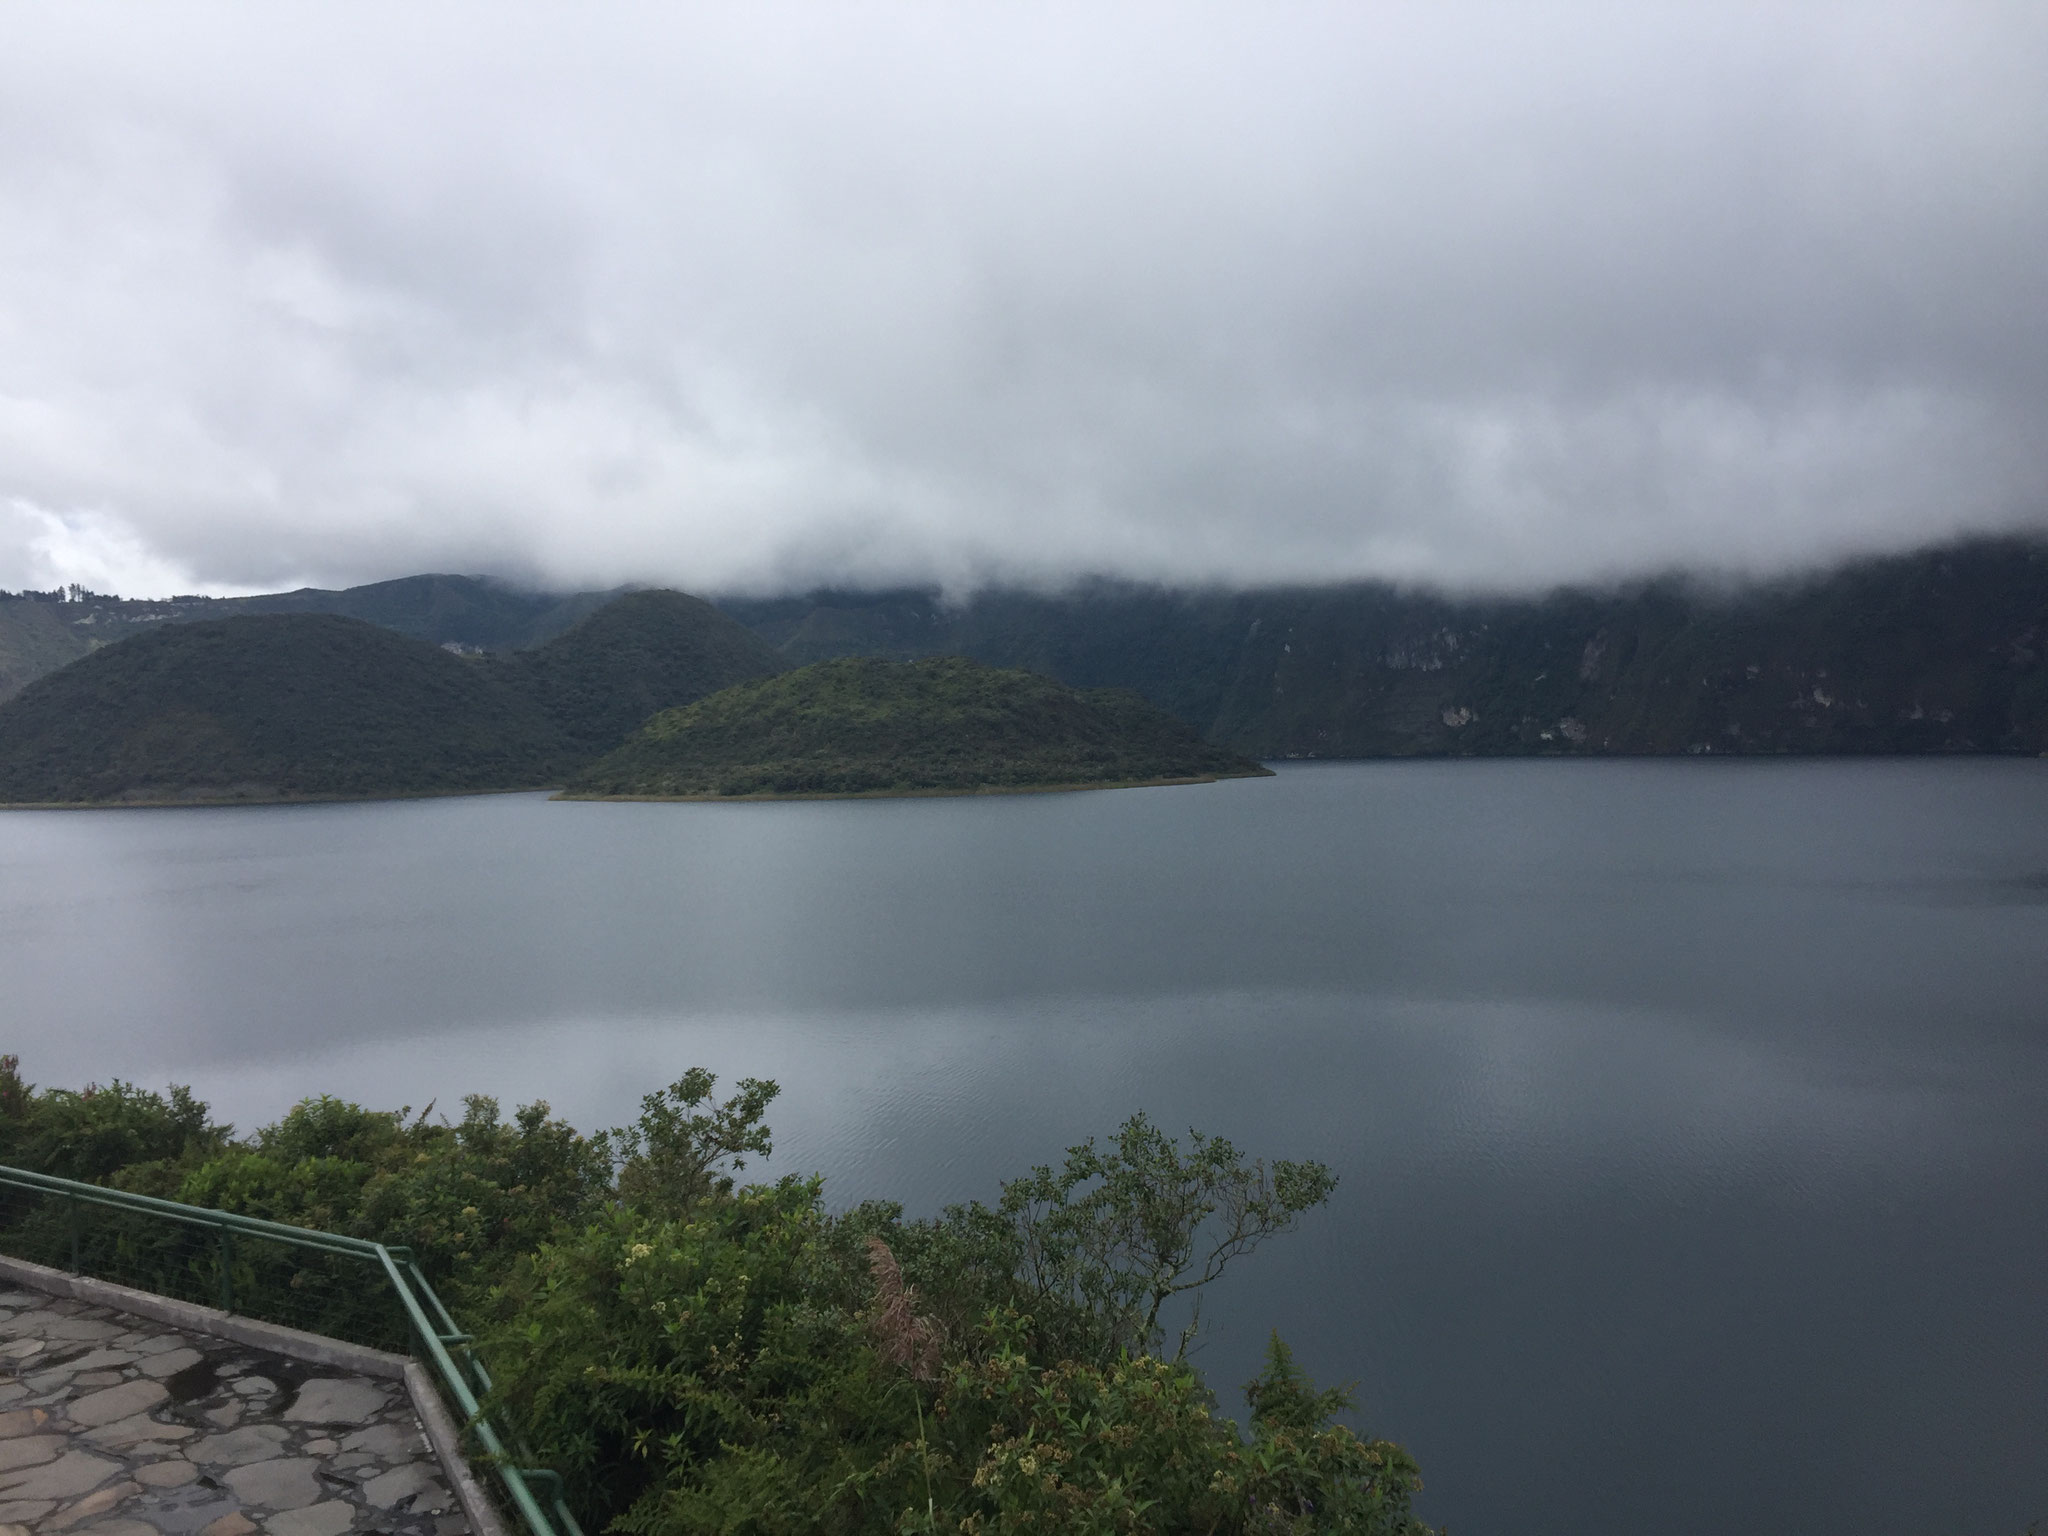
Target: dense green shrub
93, 1133
695, 1354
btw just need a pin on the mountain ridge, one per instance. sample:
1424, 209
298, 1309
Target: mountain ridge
295, 706
1938, 650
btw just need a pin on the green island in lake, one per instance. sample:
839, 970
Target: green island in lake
861, 725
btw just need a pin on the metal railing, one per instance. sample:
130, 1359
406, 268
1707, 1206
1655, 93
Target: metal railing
223, 1259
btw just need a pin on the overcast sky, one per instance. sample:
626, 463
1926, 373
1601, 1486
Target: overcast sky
753, 297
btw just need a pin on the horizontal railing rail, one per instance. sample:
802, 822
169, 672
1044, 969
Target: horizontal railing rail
445, 1347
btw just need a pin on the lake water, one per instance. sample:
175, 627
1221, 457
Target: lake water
1692, 1118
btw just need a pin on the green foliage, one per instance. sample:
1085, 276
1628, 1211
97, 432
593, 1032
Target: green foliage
699, 1355
1282, 1398
271, 707
1103, 1243
682, 1369
639, 654
1133, 1446
865, 726
1941, 650
680, 1150
309, 704
96, 1132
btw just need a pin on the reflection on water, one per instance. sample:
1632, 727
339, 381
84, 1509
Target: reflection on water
1690, 1117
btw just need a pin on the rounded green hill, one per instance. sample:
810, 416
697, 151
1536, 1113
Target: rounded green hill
270, 707
943, 725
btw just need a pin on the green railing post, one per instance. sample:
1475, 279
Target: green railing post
77, 1265
227, 1269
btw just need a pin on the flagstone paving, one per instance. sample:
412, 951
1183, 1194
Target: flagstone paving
113, 1425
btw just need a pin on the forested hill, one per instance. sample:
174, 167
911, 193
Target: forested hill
41, 631
1940, 651
270, 707
310, 706
864, 725
639, 654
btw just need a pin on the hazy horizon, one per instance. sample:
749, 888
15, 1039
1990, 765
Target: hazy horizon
784, 297
1712, 582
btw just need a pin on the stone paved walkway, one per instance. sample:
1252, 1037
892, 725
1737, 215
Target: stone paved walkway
119, 1426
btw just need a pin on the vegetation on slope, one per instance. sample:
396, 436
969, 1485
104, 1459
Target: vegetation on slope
310, 705
270, 707
470, 611
860, 725
1944, 650
637, 655
696, 1354
42, 631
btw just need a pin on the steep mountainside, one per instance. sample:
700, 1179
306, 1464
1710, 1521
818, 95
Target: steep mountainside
35, 638
637, 655
267, 707
447, 610
1941, 651
861, 725
39, 632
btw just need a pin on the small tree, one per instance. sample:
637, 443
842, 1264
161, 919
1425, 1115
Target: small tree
1282, 1396
1107, 1240
687, 1145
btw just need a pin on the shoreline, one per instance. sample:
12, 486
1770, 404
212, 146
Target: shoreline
909, 794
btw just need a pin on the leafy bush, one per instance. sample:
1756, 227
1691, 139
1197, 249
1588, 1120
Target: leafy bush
93, 1133
697, 1355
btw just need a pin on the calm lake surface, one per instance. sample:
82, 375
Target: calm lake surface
1692, 1117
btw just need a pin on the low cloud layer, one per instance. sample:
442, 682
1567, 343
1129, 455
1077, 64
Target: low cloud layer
754, 297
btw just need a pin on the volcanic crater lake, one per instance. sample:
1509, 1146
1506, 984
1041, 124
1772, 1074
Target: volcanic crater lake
1691, 1117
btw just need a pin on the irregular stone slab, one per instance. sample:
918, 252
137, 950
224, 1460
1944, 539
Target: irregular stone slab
71, 1474
22, 1421
92, 1504
170, 1362
31, 1510
229, 1525
254, 1386
414, 1482
100, 1359
222, 1417
96, 1379
387, 1440
29, 1451
123, 1433
286, 1483
21, 1349
78, 1328
252, 1442
104, 1407
329, 1519
124, 1528
336, 1400
165, 1474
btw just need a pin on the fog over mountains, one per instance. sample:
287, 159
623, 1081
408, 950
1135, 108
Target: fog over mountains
1945, 650
773, 297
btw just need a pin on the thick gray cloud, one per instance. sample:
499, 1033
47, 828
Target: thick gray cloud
752, 296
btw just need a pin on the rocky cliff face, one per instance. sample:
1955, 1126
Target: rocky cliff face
1940, 651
